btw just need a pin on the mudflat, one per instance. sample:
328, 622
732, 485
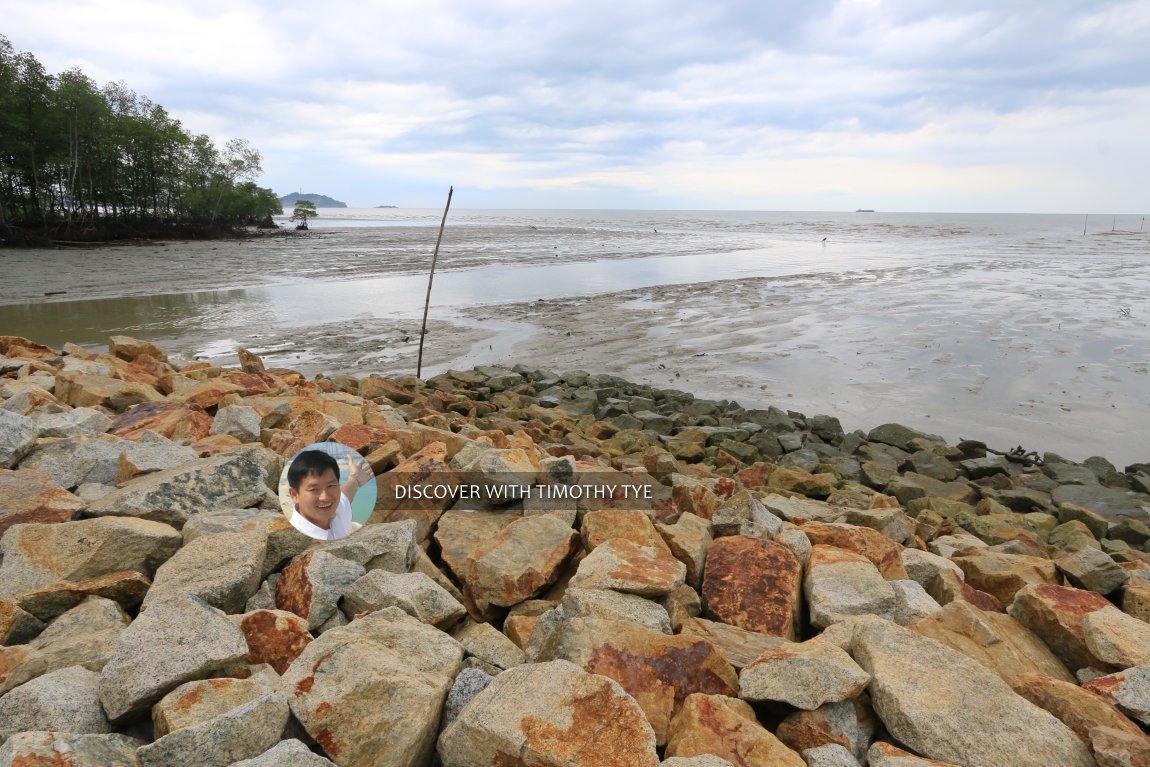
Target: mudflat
1052, 354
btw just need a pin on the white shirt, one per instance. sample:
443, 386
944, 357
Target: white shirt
340, 527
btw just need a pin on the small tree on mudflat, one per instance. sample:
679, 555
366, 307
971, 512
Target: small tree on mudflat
304, 209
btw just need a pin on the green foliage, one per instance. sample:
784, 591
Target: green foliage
76, 155
304, 209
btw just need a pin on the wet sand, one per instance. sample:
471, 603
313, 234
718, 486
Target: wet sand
1053, 356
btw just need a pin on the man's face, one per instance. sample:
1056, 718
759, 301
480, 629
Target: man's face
317, 497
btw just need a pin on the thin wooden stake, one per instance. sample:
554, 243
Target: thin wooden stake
430, 278
1084, 224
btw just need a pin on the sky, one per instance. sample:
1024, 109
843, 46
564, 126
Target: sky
898, 105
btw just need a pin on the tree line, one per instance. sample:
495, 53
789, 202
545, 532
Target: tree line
89, 162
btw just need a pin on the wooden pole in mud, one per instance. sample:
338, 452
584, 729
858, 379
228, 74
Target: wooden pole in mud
430, 278
1084, 224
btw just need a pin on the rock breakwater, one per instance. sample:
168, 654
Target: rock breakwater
730, 587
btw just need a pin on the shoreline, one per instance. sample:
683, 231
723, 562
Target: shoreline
1013, 351
150, 570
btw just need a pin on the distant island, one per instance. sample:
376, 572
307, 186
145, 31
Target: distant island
320, 200
387, 206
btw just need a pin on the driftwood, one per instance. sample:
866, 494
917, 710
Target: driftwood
1021, 455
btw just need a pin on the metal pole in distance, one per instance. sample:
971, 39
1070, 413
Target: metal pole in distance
430, 278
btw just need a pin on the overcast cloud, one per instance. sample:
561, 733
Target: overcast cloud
912, 105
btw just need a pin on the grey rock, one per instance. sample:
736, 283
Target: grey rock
337, 620
389, 546
222, 570
892, 523
240, 421
851, 720
265, 596
67, 700
484, 641
689, 538
173, 642
1094, 522
1129, 690
30, 401
883, 754
283, 541
84, 636
1131, 531
414, 593
830, 755
743, 508
798, 508
924, 693
467, 685
482, 665
17, 435
91, 615
1092, 569
839, 584
92, 491
704, 760
897, 435
1070, 474
948, 546
932, 465
173, 495
805, 676
287, 753
1117, 638
72, 423
912, 602
78, 460
148, 456
987, 466
1114, 505
49, 748
242, 733
602, 603
922, 566
796, 540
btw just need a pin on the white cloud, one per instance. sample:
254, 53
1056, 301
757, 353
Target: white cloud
898, 104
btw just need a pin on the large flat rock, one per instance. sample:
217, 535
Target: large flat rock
946, 706
222, 570
518, 562
228, 481
173, 642
839, 584
550, 715
38, 555
997, 641
372, 692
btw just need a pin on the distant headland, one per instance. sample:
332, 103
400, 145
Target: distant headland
320, 200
